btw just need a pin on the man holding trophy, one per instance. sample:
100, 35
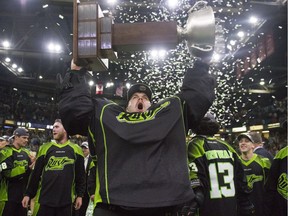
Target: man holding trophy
140, 150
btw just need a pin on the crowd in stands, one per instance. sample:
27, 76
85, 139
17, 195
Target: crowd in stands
27, 106
24, 106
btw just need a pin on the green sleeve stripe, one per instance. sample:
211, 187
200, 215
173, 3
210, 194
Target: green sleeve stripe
282, 153
105, 150
97, 196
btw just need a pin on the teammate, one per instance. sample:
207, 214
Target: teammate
57, 175
276, 197
216, 173
141, 150
16, 165
256, 169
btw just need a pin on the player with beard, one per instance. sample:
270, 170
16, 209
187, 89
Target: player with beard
141, 150
58, 174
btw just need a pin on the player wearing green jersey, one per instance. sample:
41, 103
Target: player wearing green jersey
216, 173
276, 199
16, 165
256, 168
58, 177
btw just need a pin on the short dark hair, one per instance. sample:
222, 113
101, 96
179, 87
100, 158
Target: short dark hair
206, 128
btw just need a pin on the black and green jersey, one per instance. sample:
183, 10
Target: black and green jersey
141, 157
215, 166
256, 170
58, 174
15, 173
138, 152
276, 199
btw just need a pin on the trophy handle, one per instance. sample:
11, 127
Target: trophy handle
194, 7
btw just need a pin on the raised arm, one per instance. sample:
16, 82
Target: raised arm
197, 92
75, 104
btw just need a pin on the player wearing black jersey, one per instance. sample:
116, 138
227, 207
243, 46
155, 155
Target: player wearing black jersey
256, 168
276, 198
58, 177
216, 174
141, 150
16, 165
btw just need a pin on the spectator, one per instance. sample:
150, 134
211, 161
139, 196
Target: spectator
258, 145
88, 163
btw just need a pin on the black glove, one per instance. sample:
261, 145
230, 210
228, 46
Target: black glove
189, 209
245, 208
75, 103
202, 52
72, 79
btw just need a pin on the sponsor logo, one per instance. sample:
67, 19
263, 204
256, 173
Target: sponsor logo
22, 163
141, 117
60, 151
58, 163
282, 186
251, 179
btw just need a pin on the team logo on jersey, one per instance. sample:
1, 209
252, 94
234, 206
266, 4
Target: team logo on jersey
251, 179
58, 163
282, 186
141, 117
22, 163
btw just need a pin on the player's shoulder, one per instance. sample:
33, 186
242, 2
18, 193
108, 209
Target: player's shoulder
198, 139
265, 161
77, 149
6, 152
27, 151
44, 147
282, 153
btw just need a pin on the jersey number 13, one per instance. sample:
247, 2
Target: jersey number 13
221, 172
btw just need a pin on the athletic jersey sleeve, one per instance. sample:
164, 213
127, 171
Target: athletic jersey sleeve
196, 162
266, 164
276, 186
35, 176
198, 92
91, 179
75, 104
4, 162
79, 175
16, 169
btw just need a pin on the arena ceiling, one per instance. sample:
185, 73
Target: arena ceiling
29, 25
